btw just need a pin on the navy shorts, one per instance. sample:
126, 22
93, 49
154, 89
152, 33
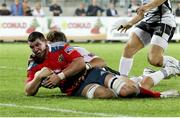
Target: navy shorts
95, 75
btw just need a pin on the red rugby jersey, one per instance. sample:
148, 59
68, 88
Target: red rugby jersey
58, 58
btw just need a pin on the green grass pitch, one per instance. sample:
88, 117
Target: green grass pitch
51, 103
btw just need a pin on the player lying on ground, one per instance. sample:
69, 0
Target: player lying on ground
93, 61
64, 67
147, 82
156, 28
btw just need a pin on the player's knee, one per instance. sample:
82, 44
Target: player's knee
128, 90
89, 93
122, 87
124, 91
103, 92
97, 91
116, 83
154, 59
147, 83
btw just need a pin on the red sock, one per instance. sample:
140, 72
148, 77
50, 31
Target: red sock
148, 93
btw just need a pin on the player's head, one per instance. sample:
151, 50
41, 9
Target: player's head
55, 36
35, 36
37, 43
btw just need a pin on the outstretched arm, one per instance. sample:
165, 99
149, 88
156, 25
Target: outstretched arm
130, 23
140, 14
151, 5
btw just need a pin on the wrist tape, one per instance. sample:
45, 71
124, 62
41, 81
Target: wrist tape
61, 75
88, 66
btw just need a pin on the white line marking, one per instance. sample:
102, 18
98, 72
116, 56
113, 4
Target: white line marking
11, 68
60, 110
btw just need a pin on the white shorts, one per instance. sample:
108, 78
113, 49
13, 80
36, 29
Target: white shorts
157, 34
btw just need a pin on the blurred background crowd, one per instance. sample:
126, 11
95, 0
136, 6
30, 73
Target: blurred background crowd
74, 7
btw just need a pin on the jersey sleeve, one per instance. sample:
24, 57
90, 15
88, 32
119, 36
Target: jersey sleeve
30, 76
70, 53
88, 56
31, 70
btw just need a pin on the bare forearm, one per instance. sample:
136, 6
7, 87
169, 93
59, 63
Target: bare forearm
153, 4
75, 67
97, 62
136, 19
32, 87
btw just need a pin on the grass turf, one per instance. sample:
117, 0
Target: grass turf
13, 102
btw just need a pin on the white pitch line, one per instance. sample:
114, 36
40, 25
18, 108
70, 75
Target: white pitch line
59, 110
11, 68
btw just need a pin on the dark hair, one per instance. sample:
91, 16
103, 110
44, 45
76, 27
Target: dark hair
36, 35
55, 36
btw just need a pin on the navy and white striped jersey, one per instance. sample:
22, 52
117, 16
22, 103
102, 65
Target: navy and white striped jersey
160, 14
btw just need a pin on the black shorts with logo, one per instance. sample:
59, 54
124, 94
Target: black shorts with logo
95, 75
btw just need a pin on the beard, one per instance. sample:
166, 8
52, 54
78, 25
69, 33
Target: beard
39, 58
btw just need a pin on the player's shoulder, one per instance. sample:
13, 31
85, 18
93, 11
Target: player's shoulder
31, 62
80, 49
56, 46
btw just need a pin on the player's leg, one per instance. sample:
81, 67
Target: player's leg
140, 37
120, 84
124, 87
106, 85
113, 86
155, 55
153, 79
93, 85
131, 48
97, 91
159, 43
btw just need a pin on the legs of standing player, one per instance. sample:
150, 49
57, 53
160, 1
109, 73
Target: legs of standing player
159, 43
156, 58
131, 48
155, 55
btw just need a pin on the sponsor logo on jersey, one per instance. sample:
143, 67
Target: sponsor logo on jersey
61, 58
91, 54
69, 50
102, 73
